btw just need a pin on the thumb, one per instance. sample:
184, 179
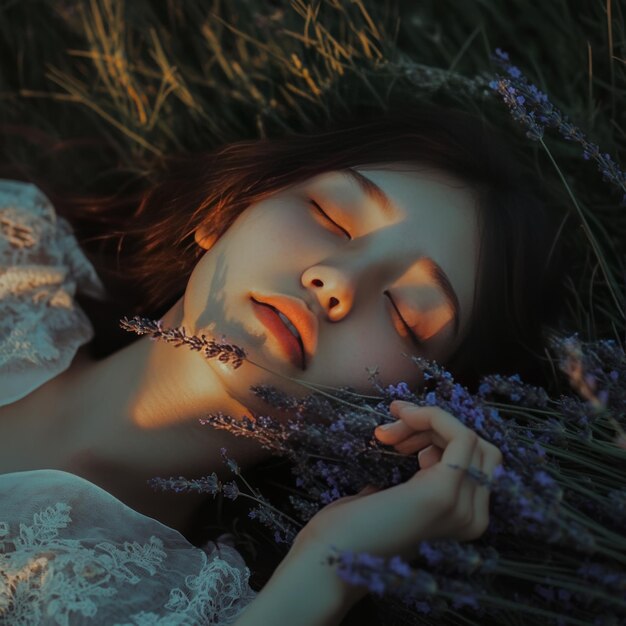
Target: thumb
367, 490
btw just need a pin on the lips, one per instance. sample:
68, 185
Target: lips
300, 316
290, 344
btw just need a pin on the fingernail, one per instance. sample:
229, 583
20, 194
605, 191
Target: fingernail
402, 403
388, 425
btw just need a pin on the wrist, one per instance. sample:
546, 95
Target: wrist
311, 560
305, 589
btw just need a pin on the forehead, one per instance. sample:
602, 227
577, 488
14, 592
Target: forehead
402, 184
431, 215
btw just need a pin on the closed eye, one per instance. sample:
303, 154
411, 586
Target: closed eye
414, 338
327, 217
412, 335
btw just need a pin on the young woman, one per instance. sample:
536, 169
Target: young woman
413, 229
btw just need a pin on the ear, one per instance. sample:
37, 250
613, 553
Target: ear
203, 238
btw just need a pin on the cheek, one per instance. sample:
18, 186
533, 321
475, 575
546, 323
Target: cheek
347, 356
197, 292
254, 252
199, 275
399, 368
278, 236
386, 349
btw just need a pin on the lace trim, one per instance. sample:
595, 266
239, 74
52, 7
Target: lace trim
41, 269
218, 595
45, 576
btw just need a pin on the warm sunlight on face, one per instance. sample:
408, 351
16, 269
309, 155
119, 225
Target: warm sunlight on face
367, 265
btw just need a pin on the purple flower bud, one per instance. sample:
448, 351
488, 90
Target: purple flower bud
230, 490
503, 55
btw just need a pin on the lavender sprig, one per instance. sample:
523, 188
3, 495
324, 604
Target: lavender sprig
284, 531
451, 588
518, 94
381, 575
225, 352
532, 108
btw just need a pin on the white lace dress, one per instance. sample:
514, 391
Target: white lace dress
70, 552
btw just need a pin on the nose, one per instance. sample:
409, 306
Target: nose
332, 289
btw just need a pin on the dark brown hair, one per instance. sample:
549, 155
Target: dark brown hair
142, 243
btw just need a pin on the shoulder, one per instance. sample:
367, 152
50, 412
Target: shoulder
34, 239
42, 267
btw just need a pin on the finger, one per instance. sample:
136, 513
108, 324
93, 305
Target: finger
492, 458
418, 440
458, 441
429, 456
412, 443
393, 432
480, 520
495, 456
466, 511
396, 405
483, 493
401, 432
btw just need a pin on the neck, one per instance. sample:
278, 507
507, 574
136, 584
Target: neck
131, 416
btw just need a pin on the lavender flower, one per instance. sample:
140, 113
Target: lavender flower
532, 108
232, 464
415, 588
456, 558
223, 351
284, 533
513, 389
380, 575
230, 490
207, 484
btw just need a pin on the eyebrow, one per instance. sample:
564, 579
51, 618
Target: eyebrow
373, 192
387, 208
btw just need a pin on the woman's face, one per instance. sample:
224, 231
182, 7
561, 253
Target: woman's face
344, 276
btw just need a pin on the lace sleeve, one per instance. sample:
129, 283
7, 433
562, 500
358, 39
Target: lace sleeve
41, 268
71, 553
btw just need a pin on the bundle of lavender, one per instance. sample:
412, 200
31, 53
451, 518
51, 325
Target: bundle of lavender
555, 548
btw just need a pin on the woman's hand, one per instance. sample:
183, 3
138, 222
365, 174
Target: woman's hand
437, 502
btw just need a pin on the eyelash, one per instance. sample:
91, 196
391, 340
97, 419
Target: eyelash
412, 334
326, 216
